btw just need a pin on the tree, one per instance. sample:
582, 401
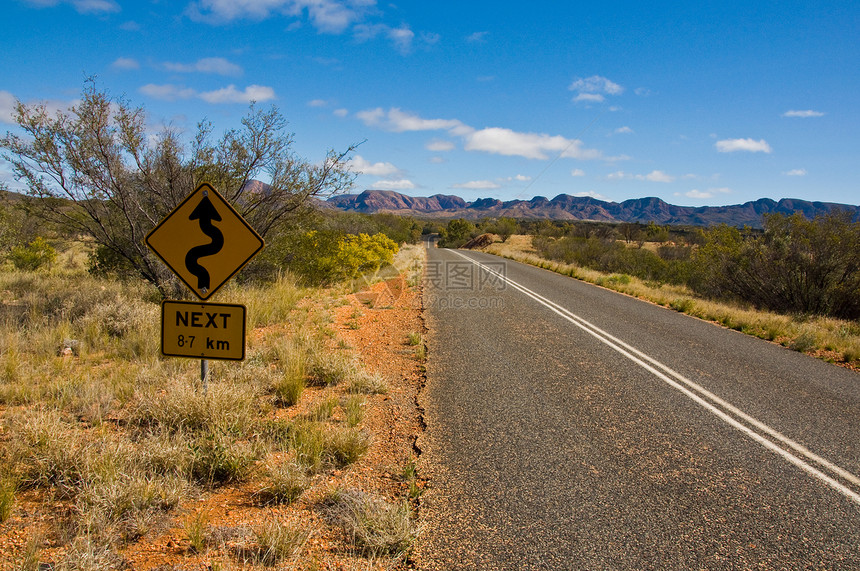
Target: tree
456, 233
796, 265
630, 231
96, 170
506, 227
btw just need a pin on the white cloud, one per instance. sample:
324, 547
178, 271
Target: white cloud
361, 165
96, 6
398, 121
749, 145
502, 141
401, 37
795, 172
656, 176
623, 130
82, 6
317, 103
590, 98
438, 146
328, 16
495, 140
430, 39
653, 176
592, 89
590, 194
401, 184
577, 172
125, 63
7, 107
477, 185
477, 37
216, 65
167, 92
803, 114
705, 194
340, 112
229, 94
695, 193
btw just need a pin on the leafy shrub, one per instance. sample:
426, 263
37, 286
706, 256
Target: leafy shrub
328, 256
107, 262
795, 266
456, 233
609, 256
363, 254
37, 254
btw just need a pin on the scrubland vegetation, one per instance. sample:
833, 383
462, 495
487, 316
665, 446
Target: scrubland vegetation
96, 421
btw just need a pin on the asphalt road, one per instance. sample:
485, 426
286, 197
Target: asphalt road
570, 427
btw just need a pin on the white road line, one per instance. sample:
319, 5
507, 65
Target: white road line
709, 401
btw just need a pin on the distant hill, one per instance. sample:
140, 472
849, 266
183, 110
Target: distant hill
566, 207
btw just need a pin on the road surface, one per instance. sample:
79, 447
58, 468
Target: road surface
570, 427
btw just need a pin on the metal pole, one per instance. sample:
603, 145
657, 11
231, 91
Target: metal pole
204, 373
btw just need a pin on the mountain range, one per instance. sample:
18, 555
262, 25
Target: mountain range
566, 207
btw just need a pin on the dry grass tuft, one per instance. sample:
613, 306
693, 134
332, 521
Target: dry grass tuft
376, 527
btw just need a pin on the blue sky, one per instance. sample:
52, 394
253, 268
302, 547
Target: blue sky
705, 103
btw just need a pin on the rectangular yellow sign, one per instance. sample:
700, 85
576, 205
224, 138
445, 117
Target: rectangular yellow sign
203, 330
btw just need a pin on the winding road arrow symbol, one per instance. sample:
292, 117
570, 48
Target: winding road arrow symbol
205, 213
176, 240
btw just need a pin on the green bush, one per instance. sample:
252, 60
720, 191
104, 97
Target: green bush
795, 266
456, 233
611, 256
106, 262
364, 254
322, 257
37, 254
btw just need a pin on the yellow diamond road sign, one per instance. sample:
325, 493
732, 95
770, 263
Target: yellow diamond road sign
203, 330
204, 241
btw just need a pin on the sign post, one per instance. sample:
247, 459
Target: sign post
205, 242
